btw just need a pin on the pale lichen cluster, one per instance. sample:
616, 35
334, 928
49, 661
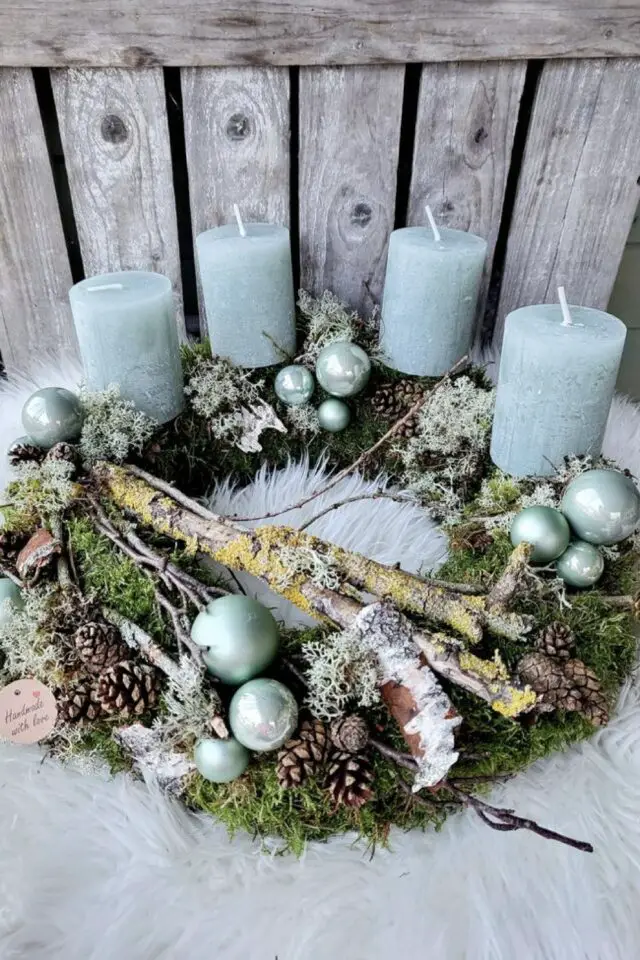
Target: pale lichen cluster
328, 320
26, 644
113, 428
319, 568
39, 493
340, 675
304, 419
189, 706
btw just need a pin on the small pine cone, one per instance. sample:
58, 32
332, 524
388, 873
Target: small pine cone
565, 685
64, 452
303, 755
128, 689
100, 646
24, 451
556, 640
79, 704
544, 675
593, 703
350, 778
391, 400
349, 734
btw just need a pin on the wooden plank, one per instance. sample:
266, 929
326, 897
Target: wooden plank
349, 138
466, 121
288, 32
578, 190
113, 125
35, 317
237, 136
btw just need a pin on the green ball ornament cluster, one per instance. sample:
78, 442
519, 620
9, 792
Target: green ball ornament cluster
221, 761
334, 415
343, 369
602, 506
294, 385
9, 591
545, 528
241, 638
263, 714
52, 415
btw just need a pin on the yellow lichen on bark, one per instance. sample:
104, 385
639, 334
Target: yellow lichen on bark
510, 700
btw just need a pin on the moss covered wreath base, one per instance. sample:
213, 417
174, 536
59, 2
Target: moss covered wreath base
415, 693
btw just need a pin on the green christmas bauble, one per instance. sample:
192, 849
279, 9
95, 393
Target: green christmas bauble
343, 369
9, 591
263, 714
51, 416
545, 529
602, 506
241, 637
221, 761
334, 415
581, 565
294, 385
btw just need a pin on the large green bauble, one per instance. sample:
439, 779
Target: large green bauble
263, 714
241, 637
9, 591
342, 369
221, 761
51, 416
294, 385
545, 529
602, 506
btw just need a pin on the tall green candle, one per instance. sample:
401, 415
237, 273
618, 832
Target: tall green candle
126, 327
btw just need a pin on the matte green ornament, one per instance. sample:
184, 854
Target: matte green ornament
221, 761
343, 369
9, 591
545, 529
294, 385
602, 506
51, 416
241, 635
581, 565
334, 415
263, 714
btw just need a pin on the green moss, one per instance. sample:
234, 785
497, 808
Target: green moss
99, 740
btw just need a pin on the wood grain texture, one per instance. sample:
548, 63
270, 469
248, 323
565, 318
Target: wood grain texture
288, 32
467, 114
237, 136
578, 190
349, 137
113, 125
35, 317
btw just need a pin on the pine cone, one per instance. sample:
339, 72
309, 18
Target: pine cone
349, 734
350, 778
303, 755
128, 689
593, 703
65, 452
392, 400
10, 546
24, 450
564, 685
100, 646
79, 704
556, 640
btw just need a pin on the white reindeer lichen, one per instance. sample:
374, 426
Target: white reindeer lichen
190, 707
339, 674
318, 567
328, 320
304, 419
24, 640
113, 427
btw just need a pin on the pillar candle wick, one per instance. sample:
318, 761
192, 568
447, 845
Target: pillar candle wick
241, 227
433, 224
564, 306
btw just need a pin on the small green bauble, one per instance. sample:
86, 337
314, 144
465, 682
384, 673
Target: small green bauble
221, 761
294, 385
263, 714
9, 591
602, 506
545, 529
241, 635
343, 369
334, 415
51, 416
581, 565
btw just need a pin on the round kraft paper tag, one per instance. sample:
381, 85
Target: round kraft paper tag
27, 711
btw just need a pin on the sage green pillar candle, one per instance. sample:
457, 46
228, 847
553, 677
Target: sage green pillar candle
126, 327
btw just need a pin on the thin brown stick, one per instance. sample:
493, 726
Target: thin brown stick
467, 589
366, 454
401, 759
354, 499
187, 502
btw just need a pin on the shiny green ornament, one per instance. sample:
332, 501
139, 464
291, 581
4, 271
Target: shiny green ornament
343, 369
9, 591
221, 761
545, 529
602, 506
241, 635
51, 416
263, 714
334, 415
294, 385
581, 565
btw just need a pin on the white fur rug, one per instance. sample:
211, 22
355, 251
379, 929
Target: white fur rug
97, 870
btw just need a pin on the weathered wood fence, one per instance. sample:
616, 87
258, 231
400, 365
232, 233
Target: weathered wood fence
126, 128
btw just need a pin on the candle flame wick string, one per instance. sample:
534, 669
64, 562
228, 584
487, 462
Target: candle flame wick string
564, 306
432, 223
241, 226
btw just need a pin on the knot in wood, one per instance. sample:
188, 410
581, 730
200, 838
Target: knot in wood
113, 128
238, 126
480, 135
361, 215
